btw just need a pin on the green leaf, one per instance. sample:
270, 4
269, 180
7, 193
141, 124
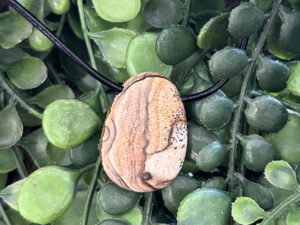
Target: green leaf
74, 213
286, 142
35, 144
58, 155
53, 93
39, 42
27, 73
141, 56
117, 11
113, 45
294, 81
10, 194
15, 218
175, 44
9, 56
214, 33
293, 217
205, 206
163, 13
246, 211
59, 7
265, 5
11, 127
26, 3
69, 122
94, 22
73, 20
17, 30
245, 19
47, 193
203, 6
7, 161
281, 175
134, 216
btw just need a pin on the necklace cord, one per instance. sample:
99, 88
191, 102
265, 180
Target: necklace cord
85, 66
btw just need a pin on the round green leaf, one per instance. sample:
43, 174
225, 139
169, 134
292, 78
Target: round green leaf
15, 217
293, 83
7, 161
163, 13
35, 144
9, 56
113, 45
265, 5
214, 112
75, 25
257, 152
59, 156
69, 122
59, 6
246, 211
210, 157
53, 93
115, 200
141, 56
203, 207
17, 30
39, 42
293, 217
117, 11
266, 113
215, 182
228, 63
26, 3
175, 192
245, 19
46, 194
272, 75
262, 195
214, 33
94, 22
134, 216
274, 44
281, 175
286, 142
203, 6
27, 73
290, 30
85, 153
11, 127
74, 213
175, 44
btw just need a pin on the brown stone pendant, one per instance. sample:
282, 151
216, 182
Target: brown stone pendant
144, 139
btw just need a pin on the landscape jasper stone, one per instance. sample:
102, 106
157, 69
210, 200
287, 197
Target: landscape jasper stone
144, 139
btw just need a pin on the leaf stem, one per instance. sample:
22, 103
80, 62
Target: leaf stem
18, 97
20, 165
187, 5
276, 212
3, 213
148, 209
244, 92
103, 96
91, 191
87, 168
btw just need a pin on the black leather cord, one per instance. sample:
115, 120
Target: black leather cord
85, 66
